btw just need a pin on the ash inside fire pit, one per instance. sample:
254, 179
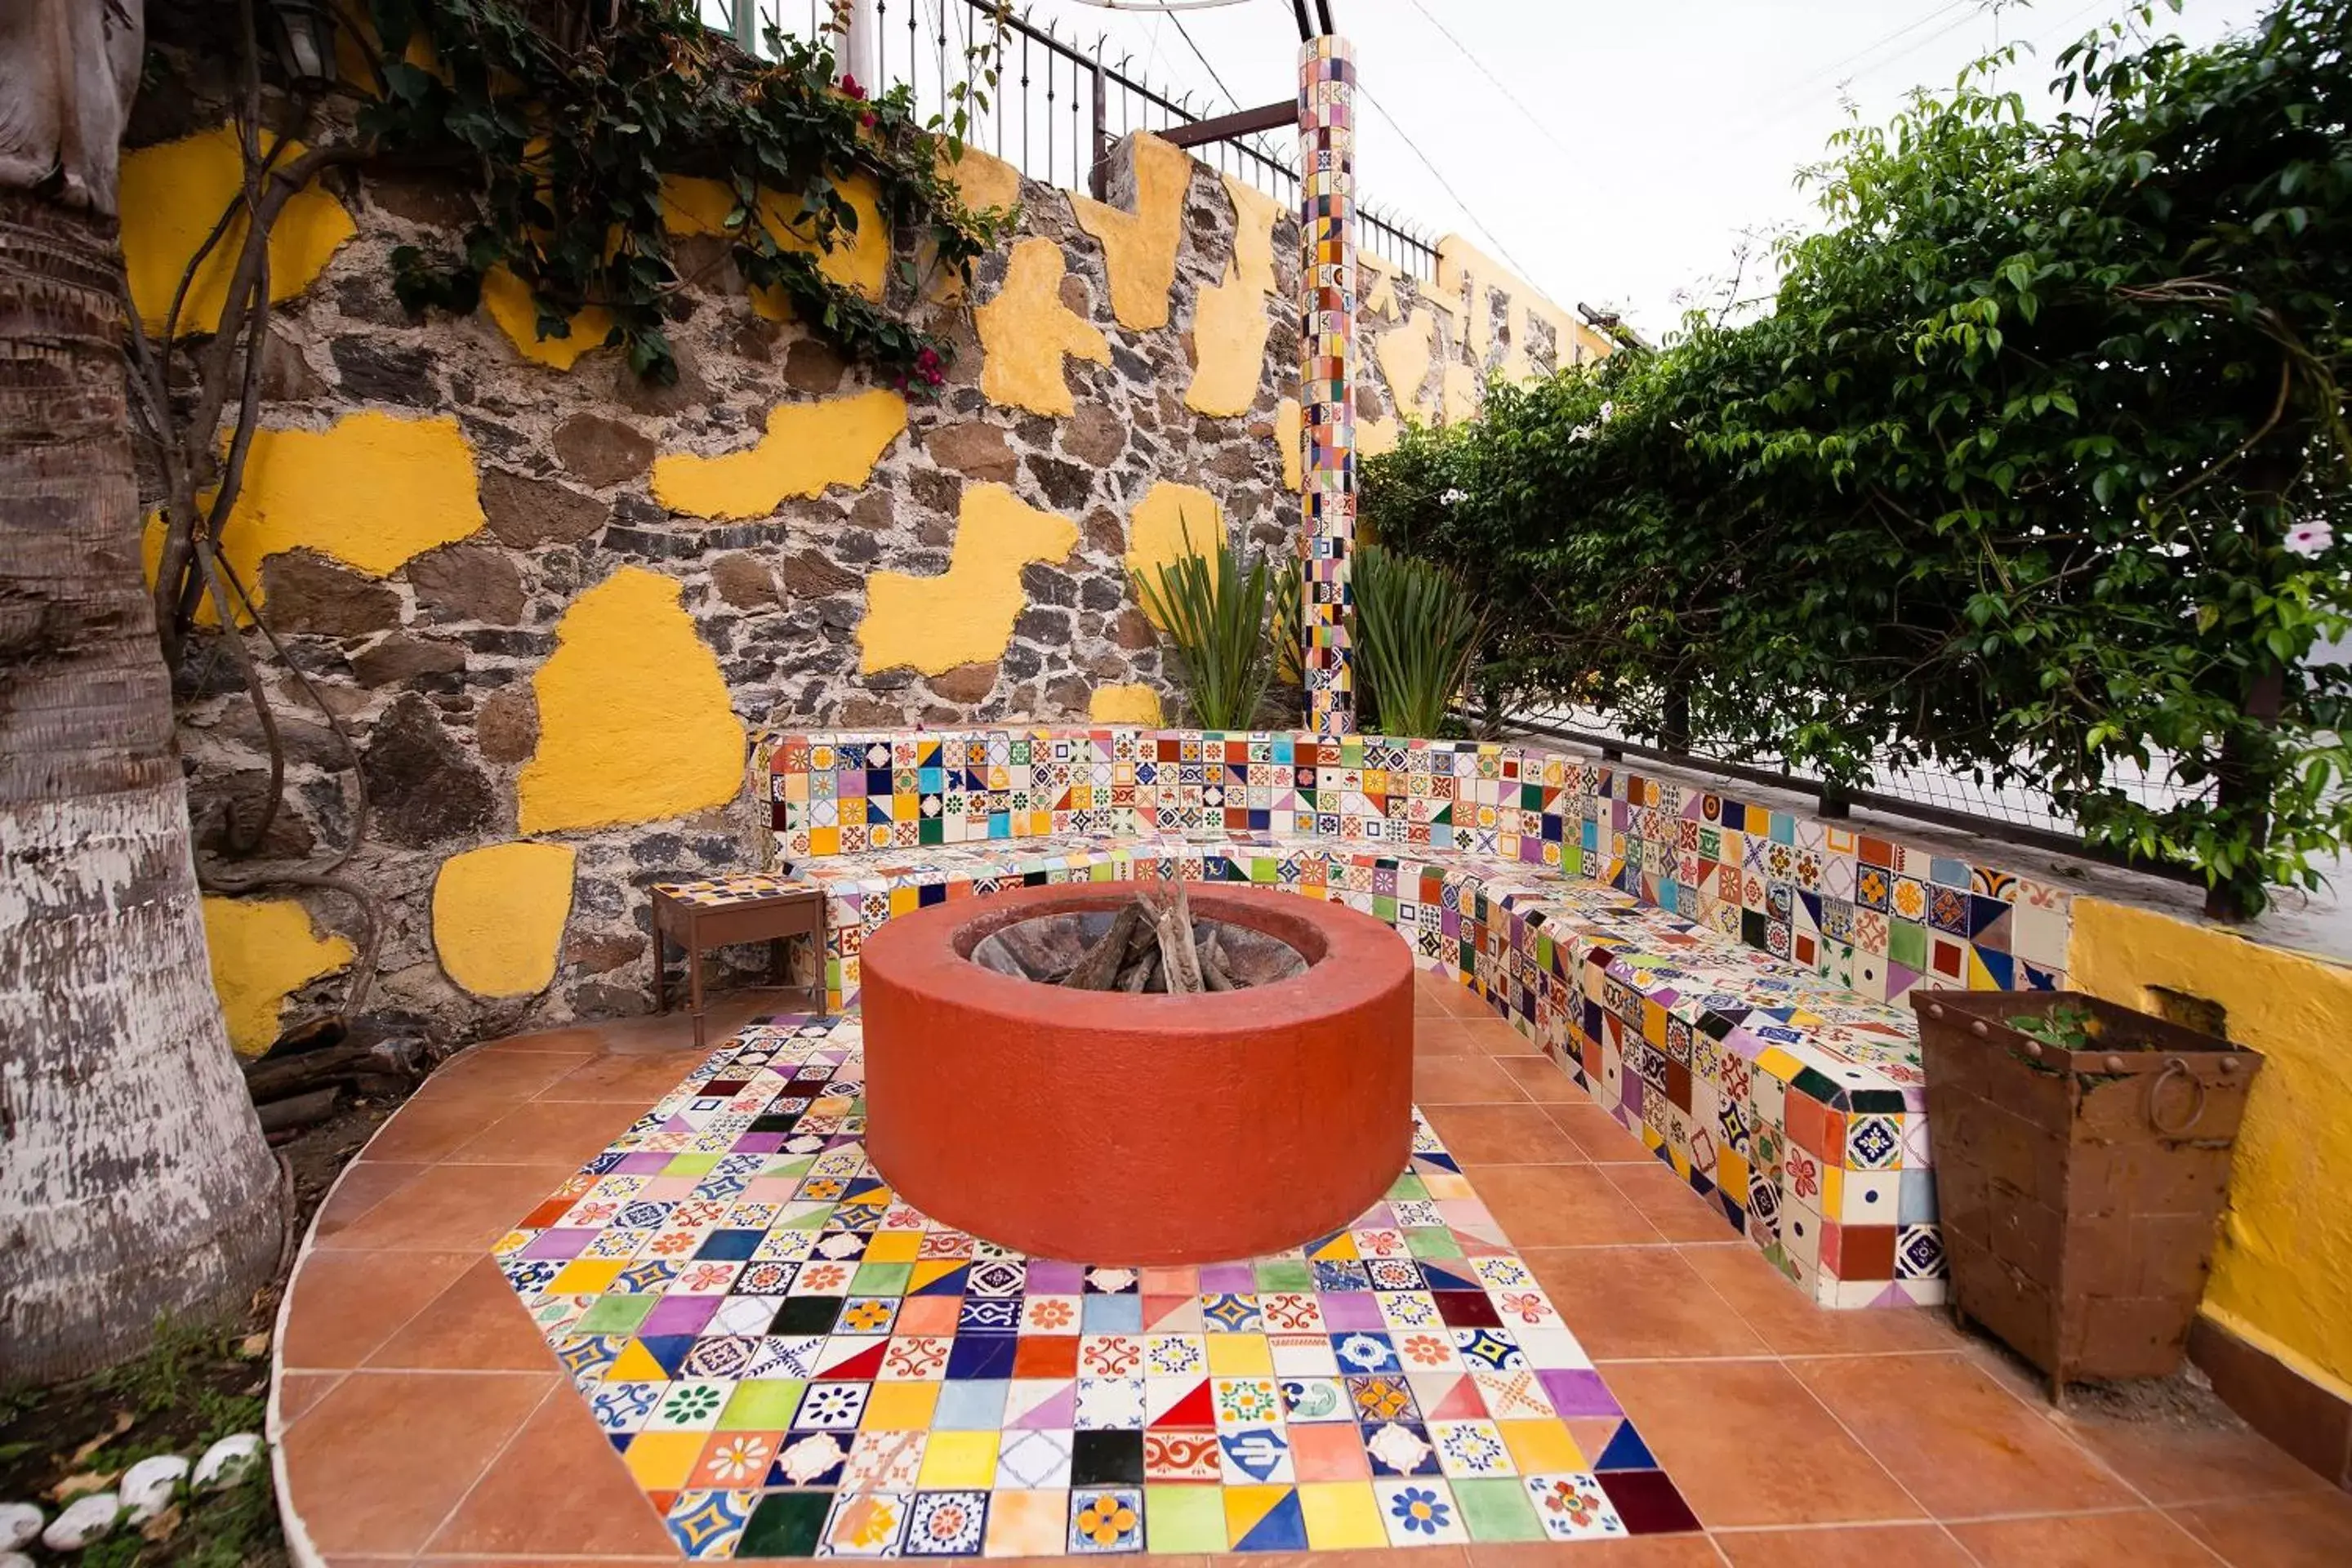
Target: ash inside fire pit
1151, 944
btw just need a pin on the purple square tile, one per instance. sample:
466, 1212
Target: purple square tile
559, 1243
643, 1164
1217, 1278
758, 1143
679, 1315
1049, 1278
1346, 1311
1577, 1392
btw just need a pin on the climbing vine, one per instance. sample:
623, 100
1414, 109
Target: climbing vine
574, 129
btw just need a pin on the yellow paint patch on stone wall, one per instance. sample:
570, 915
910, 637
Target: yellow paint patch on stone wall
1168, 522
263, 951
982, 180
965, 614
2283, 1270
1124, 705
498, 916
1376, 437
808, 447
634, 720
372, 490
1466, 272
860, 261
1289, 430
1461, 392
174, 192
507, 299
1026, 331
1140, 247
1405, 354
1380, 296
1230, 324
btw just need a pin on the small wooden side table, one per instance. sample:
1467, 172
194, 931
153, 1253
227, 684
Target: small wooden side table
726, 911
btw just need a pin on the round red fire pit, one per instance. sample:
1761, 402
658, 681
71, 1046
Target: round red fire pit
1108, 1128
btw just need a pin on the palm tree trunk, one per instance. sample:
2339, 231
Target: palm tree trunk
134, 1182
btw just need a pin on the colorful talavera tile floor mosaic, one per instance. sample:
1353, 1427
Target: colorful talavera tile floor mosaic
792, 1363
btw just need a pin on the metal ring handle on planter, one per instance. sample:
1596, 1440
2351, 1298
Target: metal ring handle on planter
2195, 1105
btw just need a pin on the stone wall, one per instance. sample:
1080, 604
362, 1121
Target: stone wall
551, 604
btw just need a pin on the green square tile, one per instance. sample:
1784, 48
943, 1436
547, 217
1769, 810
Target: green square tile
792, 1165
785, 1524
1267, 872
615, 1314
1495, 1508
762, 1405
1907, 943
1407, 1188
1178, 1518
1384, 907
881, 1279
1571, 859
1285, 1274
1431, 1241
691, 1165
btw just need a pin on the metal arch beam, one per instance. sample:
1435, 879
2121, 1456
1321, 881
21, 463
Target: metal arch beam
1225, 127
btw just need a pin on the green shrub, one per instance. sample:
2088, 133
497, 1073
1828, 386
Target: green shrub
1212, 610
1416, 632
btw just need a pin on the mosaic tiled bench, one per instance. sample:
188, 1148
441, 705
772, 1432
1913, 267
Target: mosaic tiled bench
1725, 979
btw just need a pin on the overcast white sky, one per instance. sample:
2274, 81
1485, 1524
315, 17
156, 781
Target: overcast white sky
1654, 131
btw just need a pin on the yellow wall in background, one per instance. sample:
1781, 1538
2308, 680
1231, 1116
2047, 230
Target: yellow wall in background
1026, 331
174, 193
2282, 1268
965, 614
808, 447
263, 951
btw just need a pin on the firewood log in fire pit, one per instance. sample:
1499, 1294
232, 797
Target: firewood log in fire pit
1152, 943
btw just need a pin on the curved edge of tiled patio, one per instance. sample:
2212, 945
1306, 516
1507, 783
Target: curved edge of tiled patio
419, 1417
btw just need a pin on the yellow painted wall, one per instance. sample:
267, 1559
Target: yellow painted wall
1169, 521
372, 490
634, 723
1230, 324
1289, 430
808, 447
1139, 247
498, 914
1462, 265
264, 950
860, 261
965, 614
174, 192
2283, 1270
1124, 705
1026, 331
507, 299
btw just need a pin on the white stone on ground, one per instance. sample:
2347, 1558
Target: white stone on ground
19, 1523
225, 1462
147, 1486
85, 1520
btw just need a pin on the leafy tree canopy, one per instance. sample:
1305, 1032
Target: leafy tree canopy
2037, 465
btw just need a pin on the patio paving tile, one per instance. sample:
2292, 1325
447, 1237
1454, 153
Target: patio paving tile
1705, 1420
1961, 1443
421, 1439
2141, 1537
432, 1466
1502, 1135
1845, 1546
1667, 1201
1540, 1080
1640, 1303
346, 1304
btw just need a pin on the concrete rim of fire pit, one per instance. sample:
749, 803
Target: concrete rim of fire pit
1176, 1129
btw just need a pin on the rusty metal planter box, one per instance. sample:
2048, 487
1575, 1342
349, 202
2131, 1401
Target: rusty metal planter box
2078, 1189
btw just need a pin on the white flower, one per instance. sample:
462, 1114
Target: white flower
1453, 498
2310, 538
1608, 412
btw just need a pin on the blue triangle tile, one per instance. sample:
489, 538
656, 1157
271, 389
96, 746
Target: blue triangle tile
1283, 1529
1626, 1451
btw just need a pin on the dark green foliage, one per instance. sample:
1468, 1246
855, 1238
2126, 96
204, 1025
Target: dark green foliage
571, 143
1215, 612
1416, 630
2017, 475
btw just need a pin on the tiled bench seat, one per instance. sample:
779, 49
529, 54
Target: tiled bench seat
1674, 953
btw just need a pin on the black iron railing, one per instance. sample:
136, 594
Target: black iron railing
1059, 104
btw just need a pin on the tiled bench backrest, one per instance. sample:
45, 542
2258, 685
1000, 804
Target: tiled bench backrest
1871, 915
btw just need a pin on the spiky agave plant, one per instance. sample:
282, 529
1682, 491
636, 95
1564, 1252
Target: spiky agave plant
1213, 611
1417, 629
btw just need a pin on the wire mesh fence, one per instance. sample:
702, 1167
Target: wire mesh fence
1060, 102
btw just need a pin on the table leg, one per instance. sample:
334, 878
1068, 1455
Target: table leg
661, 968
694, 976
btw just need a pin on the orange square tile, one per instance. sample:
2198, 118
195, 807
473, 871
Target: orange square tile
734, 1459
929, 1315
664, 1459
1046, 1356
1329, 1451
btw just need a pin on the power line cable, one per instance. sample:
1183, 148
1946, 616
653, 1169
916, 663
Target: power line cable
1442, 183
1500, 86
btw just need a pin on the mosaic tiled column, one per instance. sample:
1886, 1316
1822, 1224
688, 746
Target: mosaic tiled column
1327, 392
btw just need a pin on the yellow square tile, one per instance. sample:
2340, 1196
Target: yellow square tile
586, 1276
1240, 1355
1246, 1507
893, 1246
662, 1460
1540, 1447
959, 1459
1341, 1515
900, 1407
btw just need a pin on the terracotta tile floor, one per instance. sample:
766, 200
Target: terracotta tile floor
422, 1420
